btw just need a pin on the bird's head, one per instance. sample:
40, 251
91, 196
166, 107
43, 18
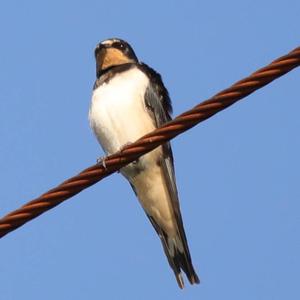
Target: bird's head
113, 52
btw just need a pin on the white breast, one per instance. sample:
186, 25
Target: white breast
118, 114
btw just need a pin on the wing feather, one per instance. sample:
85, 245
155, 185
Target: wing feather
158, 102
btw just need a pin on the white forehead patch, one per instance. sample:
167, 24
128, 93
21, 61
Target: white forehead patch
109, 42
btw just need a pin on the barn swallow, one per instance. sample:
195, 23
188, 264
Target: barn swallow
130, 100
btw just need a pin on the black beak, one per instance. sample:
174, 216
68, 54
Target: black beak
99, 52
100, 47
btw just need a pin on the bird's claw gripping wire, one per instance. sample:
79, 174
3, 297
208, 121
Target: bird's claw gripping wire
101, 161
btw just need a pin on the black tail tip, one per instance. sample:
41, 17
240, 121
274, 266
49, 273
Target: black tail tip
193, 279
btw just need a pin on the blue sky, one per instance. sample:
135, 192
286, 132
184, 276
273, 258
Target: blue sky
237, 173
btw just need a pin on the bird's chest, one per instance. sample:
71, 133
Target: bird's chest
118, 114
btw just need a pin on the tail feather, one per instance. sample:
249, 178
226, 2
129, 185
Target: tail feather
182, 261
176, 248
178, 256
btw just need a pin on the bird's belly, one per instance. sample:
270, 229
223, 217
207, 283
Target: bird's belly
118, 114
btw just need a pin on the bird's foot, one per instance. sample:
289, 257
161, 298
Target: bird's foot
101, 161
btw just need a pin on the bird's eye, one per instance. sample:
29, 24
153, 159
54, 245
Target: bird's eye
118, 45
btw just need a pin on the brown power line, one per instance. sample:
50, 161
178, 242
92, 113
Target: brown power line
150, 141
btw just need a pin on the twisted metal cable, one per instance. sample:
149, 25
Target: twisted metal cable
150, 141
